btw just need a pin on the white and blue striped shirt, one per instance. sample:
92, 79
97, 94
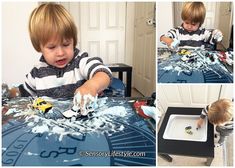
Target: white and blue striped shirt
47, 80
194, 39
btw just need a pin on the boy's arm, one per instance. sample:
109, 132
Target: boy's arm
202, 117
23, 91
96, 84
171, 39
171, 43
98, 76
166, 40
217, 35
200, 122
224, 131
29, 86
213, 36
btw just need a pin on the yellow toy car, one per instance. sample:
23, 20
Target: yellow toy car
41, 105
184, 52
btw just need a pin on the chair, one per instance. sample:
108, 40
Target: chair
116, 89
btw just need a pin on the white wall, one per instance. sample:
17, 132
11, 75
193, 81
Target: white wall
18, 54
192, 95
164, 20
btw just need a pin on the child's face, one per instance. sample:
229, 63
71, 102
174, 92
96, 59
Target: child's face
189, 26
57, 53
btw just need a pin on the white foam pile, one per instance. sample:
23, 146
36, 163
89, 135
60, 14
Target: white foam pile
101, 121
31, 154
202, 63
71, 160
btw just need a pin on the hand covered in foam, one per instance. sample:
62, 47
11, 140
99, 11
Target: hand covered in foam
84, 102
174, 45
217, 35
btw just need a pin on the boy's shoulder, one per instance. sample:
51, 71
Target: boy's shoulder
78, 54
40, 63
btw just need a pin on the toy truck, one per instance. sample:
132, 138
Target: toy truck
41, 105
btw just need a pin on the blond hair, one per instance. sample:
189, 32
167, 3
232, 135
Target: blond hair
51, 20
220, 111
194, 12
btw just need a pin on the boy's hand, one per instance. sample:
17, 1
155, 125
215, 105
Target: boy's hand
83, 103
84, 95
174, 45
217, 35
87, 88
200, 123
96, 84
167, 41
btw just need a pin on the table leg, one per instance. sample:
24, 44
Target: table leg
209, 161
120, 75
166, 157
128, 83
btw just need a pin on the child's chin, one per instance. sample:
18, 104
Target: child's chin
60, 66
190, 31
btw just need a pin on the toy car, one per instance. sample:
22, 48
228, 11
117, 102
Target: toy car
222, 56
189, 57
210, 56
185, 58
188, 130
41, 105
137, 105
184, 52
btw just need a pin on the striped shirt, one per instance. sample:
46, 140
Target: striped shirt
195, 39
47, 80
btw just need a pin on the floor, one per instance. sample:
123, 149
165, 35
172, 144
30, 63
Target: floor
135, 93
229, 150
193, 161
